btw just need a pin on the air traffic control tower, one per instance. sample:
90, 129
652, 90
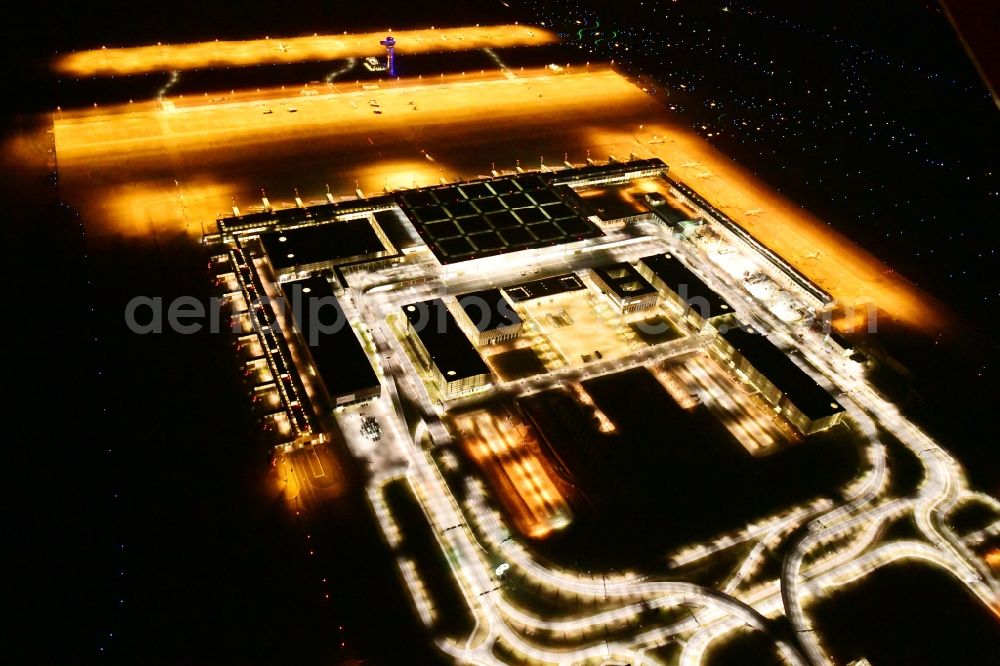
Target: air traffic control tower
390, 47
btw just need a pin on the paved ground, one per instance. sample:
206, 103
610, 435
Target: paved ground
136, 170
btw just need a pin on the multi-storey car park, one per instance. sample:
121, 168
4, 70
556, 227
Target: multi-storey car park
443, 349
492, 217
806, 404
333, 347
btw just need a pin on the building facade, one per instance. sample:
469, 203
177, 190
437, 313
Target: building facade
698, 304
784, 385
309, 249
488, 317
628, 290
443, 350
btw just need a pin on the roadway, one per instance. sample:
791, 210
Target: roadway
740, 602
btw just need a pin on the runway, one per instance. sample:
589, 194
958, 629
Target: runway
199, 55
139, 169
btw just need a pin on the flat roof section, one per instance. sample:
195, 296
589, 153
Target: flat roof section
550, 286
340, 360
476, 191
488, 309
623, 279
692, 290
543, 197
342, 240
802, 390
484, 218
398, 229
613, 203
233, 225
453, 355
531, 215
610, 170
559, 210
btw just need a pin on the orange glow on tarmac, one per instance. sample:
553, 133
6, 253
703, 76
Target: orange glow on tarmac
452, 127
287, 480
993, 560
398, 174
168, 57
507, 452
144, 209
852, 275
309, 476
220, 151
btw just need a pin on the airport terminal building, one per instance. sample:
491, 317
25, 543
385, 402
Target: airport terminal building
479, 219
308, 249
612, 173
